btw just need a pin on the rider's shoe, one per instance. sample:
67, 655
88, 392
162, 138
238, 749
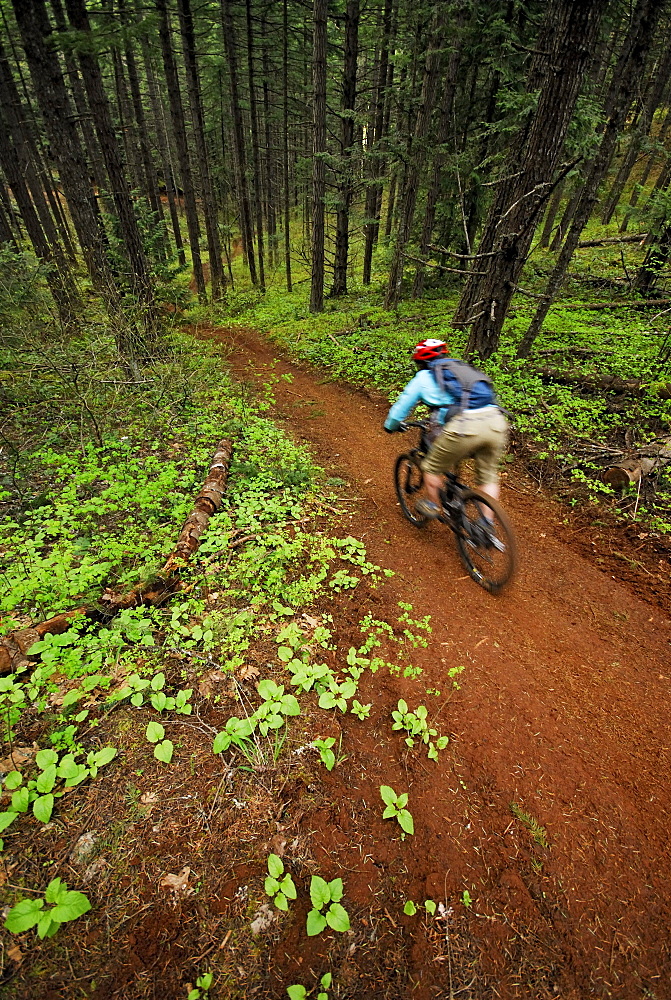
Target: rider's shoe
427, 508
487, 533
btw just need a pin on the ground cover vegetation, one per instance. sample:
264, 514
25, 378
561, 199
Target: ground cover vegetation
347, 179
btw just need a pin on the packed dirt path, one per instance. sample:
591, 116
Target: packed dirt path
563, 709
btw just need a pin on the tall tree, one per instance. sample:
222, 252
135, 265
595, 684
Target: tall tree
345, 169
256, 158
285, 143
319, 12
218, 278
179, 133
375, 136
556, 73
626, 75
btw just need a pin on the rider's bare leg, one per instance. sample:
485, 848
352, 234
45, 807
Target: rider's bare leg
489, 489
433, 484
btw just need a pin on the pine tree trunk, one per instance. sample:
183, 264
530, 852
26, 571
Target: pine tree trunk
626, 75
130, 233
256, 160
285, 143
556, 72
416, 160
162, 145
179, 134
551, 214
346, 191
269, 186
217, 275
376, 132
230, 45
57, 116
320, 10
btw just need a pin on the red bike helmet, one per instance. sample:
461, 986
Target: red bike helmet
429, 350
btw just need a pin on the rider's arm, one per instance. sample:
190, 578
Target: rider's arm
421, 389
406, 402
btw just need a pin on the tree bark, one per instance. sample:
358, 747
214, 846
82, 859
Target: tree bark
230, 45
285, 144
375, 155
140, 277
256, 159
320, 9
346, 179
625, 80
217, 275
557, 71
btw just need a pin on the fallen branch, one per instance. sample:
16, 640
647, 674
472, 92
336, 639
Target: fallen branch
632, 304
633, 238
14, 646
606, 383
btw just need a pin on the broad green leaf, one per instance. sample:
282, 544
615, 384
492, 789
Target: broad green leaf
21, 799
327, 700
285, 653
336, 890
319, 892
430, 906
159, 701
389, 812
403, 707
155, 732
72, 906
55, 890
275, 865
290, 705
271, 886
337, 918
328, 758
24, 915
163, 751
402, 801
297, 992
47, 926
288, 888
315, 923
46, 780
104, 756
281, 901
43, 808
205, 981
442, 742
6, 819
222, 741
388, 794
72, 696
13, 780
406, 821
137, 699
68, 767
157, 681
326, 980
45, 758
410, 909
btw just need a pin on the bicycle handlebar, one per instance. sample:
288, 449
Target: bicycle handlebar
405, 425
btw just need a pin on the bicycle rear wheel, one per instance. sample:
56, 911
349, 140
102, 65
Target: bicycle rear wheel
409, 480
486, 541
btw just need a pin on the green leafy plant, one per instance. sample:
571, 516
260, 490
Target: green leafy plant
200, 991
163, 749
337, 693
410, 909
396, 809
361, 711
279, 889
416, 725
466, 899
326, 894
298, 992
235, 733
538, 832
68, 905
275, 706
325, 752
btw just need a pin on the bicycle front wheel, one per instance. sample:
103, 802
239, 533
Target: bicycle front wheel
409, 480
486, 541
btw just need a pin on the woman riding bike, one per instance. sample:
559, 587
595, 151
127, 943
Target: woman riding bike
469, 426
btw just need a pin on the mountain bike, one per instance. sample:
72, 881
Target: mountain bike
485, 538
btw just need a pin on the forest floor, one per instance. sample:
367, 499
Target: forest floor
542, 829
562, 709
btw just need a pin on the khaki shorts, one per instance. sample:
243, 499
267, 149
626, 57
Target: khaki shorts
482, 434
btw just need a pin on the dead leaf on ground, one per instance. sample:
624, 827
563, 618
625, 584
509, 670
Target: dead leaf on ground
148, 800
178, 883
17, 758
312, 622
248, 673
15, 954
264, 918
83, 847
209, 680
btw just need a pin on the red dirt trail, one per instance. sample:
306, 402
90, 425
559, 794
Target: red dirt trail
563, 709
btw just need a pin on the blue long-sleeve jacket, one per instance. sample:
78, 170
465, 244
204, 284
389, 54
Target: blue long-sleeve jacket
421, 389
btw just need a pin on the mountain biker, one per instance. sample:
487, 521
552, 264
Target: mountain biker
475, 431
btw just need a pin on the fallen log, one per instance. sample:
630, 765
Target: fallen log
14, 646
630, 470
605, 383
631, 304
632, 238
